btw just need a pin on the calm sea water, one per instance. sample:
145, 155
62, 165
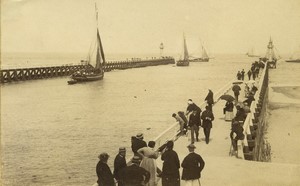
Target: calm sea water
53, 132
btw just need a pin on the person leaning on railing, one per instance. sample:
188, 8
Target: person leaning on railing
236, 134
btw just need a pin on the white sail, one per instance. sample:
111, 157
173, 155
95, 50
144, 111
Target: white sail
185, 51
204, 53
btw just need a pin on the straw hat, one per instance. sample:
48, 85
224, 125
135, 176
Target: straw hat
140, 136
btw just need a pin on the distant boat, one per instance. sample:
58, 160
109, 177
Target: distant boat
204, 58
185, 60
251, 53
91, 73
295, 58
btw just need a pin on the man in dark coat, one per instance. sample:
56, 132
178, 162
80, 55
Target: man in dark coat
171, 165
249, 73
239, 75
194, 123
119, 163
236, 134
207, 118
105, 176
243, 74
191, 107
236, 91
240, 114
138, 143
192, 166
210, 99
134, 175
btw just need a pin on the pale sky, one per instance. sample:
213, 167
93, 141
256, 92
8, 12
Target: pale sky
139, 26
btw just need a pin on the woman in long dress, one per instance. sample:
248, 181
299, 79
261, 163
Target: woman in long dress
148, 161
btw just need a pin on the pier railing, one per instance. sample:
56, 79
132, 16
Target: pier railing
173, 132
254, 122
22, 74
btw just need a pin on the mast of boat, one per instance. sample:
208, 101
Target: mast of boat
204, 53
100, 53
185, 51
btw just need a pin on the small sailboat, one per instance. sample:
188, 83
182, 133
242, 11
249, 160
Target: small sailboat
251, 53
185, 60
96, 55
295, 57
204, 58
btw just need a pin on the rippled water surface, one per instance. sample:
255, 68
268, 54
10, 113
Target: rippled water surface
52, 132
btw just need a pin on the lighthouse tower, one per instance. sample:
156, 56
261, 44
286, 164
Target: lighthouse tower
270, 55
161, 47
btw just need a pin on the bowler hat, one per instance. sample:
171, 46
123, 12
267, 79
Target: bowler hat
122, 149
191, 146
135, 159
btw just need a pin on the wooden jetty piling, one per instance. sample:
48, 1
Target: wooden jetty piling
23, 74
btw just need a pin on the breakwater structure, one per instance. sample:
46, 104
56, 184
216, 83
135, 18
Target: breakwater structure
254, 146
23, 74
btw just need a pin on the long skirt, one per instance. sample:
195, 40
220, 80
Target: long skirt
195, 182
228, 116
149, 165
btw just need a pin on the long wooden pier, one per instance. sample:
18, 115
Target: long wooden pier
23, 74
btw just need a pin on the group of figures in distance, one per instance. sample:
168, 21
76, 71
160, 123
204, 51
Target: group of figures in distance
271, 57
185, 61
96, 57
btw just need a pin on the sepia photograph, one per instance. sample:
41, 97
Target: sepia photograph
150, 93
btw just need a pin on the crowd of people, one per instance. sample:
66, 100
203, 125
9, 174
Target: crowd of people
252, 72
142, 169
196, 118
242, 108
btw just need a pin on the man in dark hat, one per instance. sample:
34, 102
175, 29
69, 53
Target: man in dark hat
207, 118
119, 163
134, 175
171, 165
105, 176
192, 166
138, 143
192, 106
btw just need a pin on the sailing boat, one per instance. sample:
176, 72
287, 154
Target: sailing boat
295, 58
204, 57
91, 73
251, 53
185, 60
